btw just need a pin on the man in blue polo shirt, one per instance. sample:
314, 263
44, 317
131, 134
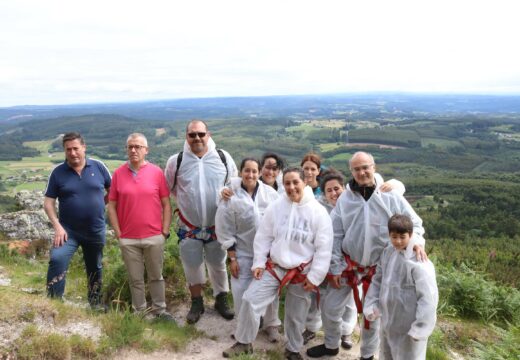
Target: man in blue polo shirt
80, 185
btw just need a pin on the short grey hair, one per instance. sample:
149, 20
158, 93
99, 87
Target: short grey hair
137, 135
359, 153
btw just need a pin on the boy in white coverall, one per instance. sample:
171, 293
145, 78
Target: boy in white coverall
297, 233
236, 223
404, 293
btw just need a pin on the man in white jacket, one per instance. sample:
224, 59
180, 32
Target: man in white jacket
296, 232
195, 177
360, 235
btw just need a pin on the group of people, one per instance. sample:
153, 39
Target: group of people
339, 249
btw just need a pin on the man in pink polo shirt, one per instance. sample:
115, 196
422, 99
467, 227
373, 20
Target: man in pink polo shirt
140, 213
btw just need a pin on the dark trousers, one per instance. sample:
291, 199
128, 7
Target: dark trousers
92, 246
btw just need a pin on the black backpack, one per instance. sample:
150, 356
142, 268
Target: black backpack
220, 154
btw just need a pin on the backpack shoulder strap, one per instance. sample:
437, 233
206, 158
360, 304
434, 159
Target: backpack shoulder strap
224, 161
179, 160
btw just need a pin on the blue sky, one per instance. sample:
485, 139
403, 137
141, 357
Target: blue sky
62, 52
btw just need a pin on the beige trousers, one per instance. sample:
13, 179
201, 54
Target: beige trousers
138, 254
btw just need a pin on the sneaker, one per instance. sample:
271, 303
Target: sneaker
165, 316
272, 333
222, 307
196, 310
308, 336
320, 350
346, 342
289, 355
238, 349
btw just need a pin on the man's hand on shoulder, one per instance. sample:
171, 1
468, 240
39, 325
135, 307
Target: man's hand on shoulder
420, 253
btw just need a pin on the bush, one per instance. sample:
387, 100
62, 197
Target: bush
469, 294
506, 349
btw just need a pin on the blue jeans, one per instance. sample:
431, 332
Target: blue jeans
92, 246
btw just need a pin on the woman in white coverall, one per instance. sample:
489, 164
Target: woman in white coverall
404, 293
236, 222
296, 232
332, 185
272, 166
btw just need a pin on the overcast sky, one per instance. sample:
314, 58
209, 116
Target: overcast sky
62, 52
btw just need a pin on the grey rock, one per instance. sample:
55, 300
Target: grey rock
30, 200
31, 223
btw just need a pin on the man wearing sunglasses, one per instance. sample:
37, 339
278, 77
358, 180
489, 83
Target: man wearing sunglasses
195, 177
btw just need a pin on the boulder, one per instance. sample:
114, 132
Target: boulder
26, 225
31, 223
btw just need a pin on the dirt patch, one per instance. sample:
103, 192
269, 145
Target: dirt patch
218, 338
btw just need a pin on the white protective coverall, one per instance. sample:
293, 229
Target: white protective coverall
199, 181
293, 234
350, 316
404, 291
361, 231
236, 223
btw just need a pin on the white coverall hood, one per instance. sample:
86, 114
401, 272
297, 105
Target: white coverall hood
295, 233
238, 218
360, 227
199, 181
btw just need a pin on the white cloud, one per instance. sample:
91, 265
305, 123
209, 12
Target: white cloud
64, 51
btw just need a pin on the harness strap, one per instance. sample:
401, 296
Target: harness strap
292, 276
192, 233
350, 274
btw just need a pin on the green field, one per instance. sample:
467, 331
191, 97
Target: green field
442, 143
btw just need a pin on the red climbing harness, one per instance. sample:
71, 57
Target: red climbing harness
351, 275
292, 276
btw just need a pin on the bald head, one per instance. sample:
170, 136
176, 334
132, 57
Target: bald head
361, 155
362, 167
196, 121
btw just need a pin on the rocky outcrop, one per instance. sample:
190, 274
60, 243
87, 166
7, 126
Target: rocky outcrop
30, 200
31, 223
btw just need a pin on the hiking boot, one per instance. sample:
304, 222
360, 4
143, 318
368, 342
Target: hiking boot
222, 307
196, 310
346, 342
166, 317
320, 350
273, 335
289, 355
99, 308
238, 349
368, 358
308, 336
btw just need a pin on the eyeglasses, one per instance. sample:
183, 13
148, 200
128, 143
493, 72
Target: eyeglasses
135, 147
193, 135
361, 168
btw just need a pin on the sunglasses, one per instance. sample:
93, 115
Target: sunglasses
193, 135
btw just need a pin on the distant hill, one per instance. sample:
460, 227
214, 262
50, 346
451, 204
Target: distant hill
353, 106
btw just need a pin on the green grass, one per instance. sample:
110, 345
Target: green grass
42, 146
329, 146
